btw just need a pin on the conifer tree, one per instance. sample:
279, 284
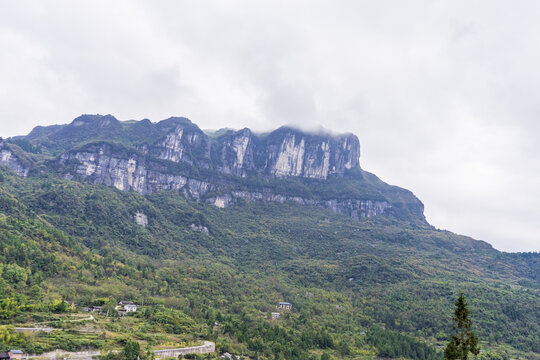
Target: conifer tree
464, 341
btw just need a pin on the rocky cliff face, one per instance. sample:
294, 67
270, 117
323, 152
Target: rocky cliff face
9, 159
222, 168
234, 153
101, 164
290, 152
104, 164
285, 152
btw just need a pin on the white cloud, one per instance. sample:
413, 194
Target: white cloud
443, 95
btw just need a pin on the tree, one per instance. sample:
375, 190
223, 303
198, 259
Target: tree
464, 340
131, 351
149, 354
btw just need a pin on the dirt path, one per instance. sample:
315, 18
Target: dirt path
47, 328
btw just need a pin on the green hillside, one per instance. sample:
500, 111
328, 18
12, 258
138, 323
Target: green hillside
359, 288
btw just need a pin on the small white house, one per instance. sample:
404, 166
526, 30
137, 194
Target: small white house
130, 308
126, 306
285, 306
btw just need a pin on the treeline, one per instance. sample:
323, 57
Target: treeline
278, 342
395, 345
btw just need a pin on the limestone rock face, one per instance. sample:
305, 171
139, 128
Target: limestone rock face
354, 208
141, 218
290, 152
183, 144
358, 208
9, 159
234, 153
285, 152
101, 164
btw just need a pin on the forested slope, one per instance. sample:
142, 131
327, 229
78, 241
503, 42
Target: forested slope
358, 287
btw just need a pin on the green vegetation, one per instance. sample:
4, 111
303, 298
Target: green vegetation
464, 341
395, 345
359, 289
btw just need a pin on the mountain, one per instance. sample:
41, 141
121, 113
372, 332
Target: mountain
174, 154
210, 230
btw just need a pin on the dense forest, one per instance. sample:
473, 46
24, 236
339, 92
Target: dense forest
359, 288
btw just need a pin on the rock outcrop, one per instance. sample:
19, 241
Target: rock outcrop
234, 153
9, 159
290, 152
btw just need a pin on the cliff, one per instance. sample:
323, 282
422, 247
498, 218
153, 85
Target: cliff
10, 159
221, 168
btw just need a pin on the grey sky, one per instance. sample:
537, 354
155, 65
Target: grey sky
444, 95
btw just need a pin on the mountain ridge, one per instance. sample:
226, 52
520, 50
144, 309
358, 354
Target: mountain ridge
223, 168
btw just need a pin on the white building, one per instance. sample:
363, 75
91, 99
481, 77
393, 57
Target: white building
285, 306
126, 306
130, 308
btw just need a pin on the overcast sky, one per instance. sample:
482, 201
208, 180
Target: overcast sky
443, 95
